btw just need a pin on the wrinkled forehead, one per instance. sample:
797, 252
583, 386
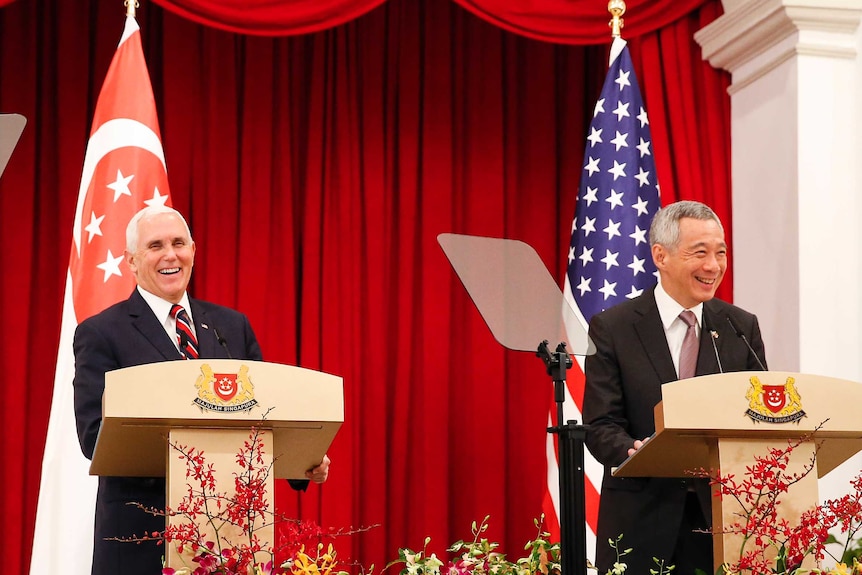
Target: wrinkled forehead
162, 226
696, 233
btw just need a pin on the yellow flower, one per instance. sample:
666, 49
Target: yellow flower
321, 565
304, 564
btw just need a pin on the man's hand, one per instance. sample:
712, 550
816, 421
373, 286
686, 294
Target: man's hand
637, 445
321, 472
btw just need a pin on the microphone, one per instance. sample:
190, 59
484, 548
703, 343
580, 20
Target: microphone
741, 336
222, 341
713, 335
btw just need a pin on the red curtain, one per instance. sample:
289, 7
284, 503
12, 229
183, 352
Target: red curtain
562, 21
316, 172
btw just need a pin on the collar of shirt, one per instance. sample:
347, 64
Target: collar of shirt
162, 309
669, 309
674, 327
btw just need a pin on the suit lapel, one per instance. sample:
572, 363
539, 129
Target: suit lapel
207, 341
713, 321
145, 321
651, 334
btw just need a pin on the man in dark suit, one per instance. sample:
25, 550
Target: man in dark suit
160, 253
639, 344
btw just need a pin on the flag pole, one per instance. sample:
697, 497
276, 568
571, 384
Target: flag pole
617, 8
131, 6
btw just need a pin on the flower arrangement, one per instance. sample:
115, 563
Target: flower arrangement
769, 545
775, 545
209, 514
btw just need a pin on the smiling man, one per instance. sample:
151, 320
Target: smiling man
159, 322
664, 335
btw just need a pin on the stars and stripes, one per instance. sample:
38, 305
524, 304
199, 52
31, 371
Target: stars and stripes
609, 257
124, 169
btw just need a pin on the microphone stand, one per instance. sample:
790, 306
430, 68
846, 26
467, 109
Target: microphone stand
573, 530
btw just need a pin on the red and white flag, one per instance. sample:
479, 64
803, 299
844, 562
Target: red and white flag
124, 171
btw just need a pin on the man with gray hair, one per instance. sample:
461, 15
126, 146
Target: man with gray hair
662, 336
159, 322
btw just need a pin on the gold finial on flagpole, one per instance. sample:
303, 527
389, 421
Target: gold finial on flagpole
130, 5
617, 8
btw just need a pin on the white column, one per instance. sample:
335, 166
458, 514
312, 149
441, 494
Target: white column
797, 211
796, 108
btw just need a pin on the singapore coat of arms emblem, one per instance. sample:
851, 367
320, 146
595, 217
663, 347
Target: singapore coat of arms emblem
774, 403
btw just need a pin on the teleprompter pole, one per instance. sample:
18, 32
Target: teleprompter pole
573, 531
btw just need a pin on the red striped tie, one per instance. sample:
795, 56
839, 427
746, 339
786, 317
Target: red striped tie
185, 335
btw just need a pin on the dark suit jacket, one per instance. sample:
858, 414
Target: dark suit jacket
623, 385
124, 335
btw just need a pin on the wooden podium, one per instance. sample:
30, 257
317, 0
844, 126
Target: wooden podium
211, 405
720, 422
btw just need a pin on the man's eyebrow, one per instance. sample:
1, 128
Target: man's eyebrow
722, 245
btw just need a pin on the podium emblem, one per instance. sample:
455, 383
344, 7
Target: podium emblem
774, 403
225, 385
224, 392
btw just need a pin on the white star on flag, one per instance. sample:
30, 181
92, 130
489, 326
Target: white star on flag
610, 259
608, 290
619, 170
615, 199
121, 185
111, 266
157, 199
93, 228
620, 141
613, 229
622, 111
600, 107
639, 236
592, 165
643, 148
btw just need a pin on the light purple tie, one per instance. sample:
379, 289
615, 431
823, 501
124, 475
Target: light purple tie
688, 353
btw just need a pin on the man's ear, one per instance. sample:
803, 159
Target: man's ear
130, 261
659, 255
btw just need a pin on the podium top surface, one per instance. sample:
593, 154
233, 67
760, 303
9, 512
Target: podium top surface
756, 406
141, 405
223, 390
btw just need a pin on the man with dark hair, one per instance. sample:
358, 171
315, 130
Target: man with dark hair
659, 337
143, 329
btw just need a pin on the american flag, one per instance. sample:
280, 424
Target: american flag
609, 257
124, 171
